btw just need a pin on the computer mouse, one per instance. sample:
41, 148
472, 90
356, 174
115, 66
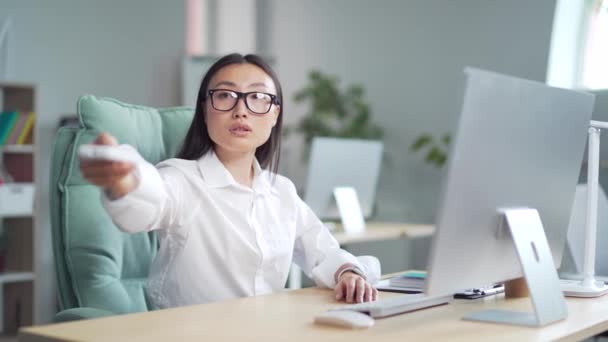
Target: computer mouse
345, 319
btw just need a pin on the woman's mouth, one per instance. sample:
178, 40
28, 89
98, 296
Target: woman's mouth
240, 130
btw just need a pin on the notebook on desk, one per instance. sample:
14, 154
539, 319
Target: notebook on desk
407, 282
384, 285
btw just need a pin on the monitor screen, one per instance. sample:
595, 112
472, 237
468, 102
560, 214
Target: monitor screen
338, 162
519, 143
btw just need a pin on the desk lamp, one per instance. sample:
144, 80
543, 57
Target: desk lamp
589, 286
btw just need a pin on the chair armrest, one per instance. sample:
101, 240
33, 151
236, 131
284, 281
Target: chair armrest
75, 314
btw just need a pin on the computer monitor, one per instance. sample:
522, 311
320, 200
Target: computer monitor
519, 143
338, 162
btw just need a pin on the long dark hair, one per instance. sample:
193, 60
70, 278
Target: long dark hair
197, 142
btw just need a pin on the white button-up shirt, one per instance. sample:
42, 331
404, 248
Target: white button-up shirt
220, 239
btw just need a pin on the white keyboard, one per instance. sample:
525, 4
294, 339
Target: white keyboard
393, 306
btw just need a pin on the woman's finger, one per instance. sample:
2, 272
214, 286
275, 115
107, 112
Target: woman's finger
374, 294
102, 182
106, 168
368, 293
339, 291
350, 289
105, 179
109, 178
360, 289
97, 181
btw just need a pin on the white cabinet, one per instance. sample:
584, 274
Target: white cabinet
16, 199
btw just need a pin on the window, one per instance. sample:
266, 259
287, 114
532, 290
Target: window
594, 68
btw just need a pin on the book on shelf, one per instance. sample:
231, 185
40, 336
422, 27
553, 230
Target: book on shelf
409, 280
27, 131
16, 128
7, 121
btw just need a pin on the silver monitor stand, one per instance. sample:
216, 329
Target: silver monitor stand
524, 227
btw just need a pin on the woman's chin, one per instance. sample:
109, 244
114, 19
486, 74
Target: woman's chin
239, 146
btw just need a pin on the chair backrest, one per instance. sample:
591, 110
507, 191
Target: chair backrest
97, 265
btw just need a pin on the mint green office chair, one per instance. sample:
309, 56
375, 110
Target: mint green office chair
102, 271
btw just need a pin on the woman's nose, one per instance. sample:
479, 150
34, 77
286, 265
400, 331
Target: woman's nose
240, 109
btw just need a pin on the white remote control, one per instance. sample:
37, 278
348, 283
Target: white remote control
105, 152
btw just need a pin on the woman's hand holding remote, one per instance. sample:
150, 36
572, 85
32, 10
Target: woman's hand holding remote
115, 175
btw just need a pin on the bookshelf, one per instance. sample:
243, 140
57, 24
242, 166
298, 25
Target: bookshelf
17, 273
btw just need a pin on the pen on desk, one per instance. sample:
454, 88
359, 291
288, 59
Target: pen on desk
470, 292
493, 290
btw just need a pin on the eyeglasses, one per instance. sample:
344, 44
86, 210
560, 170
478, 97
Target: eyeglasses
257, 102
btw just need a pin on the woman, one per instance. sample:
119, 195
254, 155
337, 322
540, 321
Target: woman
227, 226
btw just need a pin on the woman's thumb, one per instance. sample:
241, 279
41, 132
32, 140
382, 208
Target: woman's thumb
105, 139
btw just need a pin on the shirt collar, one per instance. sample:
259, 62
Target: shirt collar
260, 179
216, 175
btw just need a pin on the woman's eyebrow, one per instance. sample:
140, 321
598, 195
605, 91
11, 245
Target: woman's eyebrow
258, 84
225, 83
232, 84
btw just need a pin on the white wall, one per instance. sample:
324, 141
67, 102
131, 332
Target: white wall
129, 50
409, 56
600, 112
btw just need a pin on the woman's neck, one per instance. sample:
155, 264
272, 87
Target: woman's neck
240, 165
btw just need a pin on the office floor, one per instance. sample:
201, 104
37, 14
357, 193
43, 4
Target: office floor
8, 338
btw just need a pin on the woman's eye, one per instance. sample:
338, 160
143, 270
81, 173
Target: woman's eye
258, 96
224, 95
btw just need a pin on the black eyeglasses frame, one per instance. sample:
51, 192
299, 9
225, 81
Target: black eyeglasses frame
274, 99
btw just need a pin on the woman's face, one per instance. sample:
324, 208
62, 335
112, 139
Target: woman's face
240, 129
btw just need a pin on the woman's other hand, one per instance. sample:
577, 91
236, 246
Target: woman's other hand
353, 288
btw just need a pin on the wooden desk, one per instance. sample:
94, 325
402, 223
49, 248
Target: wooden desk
288, 316
385, 231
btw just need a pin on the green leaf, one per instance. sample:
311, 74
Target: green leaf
435, 155
431, 157
421, 141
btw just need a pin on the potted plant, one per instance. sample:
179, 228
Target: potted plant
334, 112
